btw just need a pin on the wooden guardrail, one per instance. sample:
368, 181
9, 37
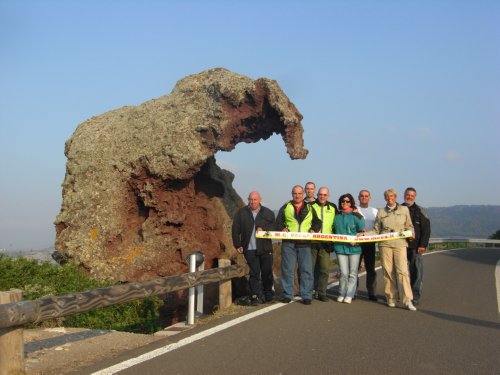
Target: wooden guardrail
14, 313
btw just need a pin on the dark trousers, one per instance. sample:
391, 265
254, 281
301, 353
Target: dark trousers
320, 257
416, 265
368, 255
261, 278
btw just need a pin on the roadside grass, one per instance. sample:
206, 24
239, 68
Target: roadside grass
44, 279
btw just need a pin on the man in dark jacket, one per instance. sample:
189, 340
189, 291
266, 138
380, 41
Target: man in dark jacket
258, 252
417, 245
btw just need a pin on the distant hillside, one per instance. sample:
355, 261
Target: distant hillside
464, 221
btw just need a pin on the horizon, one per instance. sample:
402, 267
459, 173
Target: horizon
275, 210
393, 94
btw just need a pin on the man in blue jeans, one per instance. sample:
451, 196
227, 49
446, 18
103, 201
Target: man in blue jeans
417, 245
297, 216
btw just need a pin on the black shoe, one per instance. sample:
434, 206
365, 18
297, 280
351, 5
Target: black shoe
315, 295
306, 301
255, 300
415, 302
286, 300
323, 298
372, 297
269, 299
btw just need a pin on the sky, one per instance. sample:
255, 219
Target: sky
393, 93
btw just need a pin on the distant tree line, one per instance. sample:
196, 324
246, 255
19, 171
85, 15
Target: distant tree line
495, 236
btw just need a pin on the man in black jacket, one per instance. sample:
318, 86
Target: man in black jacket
417, 245
258, 252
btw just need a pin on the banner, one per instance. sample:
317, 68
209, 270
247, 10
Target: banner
332, 237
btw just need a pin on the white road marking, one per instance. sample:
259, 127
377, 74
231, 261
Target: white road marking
188, 340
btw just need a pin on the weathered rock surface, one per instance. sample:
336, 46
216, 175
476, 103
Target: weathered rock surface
142, 189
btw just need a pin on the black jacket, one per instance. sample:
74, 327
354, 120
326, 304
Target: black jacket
421, 225
243, 225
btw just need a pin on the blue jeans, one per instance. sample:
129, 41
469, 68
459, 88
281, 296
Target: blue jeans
348, 274
416, 265
290, 255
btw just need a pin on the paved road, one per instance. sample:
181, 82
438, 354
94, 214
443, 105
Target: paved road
455, 331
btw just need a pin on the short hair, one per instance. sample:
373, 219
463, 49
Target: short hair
368, 191
411, 189
254, 192
390, 191
324, 187
310, 182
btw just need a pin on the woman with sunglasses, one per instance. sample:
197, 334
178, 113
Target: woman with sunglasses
350, 223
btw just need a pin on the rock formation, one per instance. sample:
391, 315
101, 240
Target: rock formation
142, 189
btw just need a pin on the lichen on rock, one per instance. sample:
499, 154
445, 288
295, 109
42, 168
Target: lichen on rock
142, 188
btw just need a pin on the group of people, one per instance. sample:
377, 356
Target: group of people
401, 259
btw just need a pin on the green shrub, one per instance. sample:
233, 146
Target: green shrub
43, 279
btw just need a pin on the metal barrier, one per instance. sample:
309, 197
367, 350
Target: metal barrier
466, 242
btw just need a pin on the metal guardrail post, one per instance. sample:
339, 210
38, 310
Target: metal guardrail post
196, 259
199, 292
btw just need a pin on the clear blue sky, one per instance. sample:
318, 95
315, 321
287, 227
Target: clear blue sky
393, 93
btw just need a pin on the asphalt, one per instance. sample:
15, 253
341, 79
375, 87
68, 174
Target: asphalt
455, 330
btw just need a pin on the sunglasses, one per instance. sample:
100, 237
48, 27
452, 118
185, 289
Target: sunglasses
345, 201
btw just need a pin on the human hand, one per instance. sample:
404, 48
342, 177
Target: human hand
239, 250
420, 250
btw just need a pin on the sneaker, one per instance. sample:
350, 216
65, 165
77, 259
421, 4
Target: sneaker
306, 301
315, 295
347, 300
410, 307
391, 304
323, 298
286, 300
340, 299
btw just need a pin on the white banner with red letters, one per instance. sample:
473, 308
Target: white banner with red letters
333, 237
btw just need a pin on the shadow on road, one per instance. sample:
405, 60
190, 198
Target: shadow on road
461, 319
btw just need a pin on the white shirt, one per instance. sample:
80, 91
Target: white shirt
369, 213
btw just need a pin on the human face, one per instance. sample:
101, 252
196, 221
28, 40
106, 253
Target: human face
323, 195
297, 194
390, 198
254, 200
345, 203
364, 198
410, 197
310, 190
